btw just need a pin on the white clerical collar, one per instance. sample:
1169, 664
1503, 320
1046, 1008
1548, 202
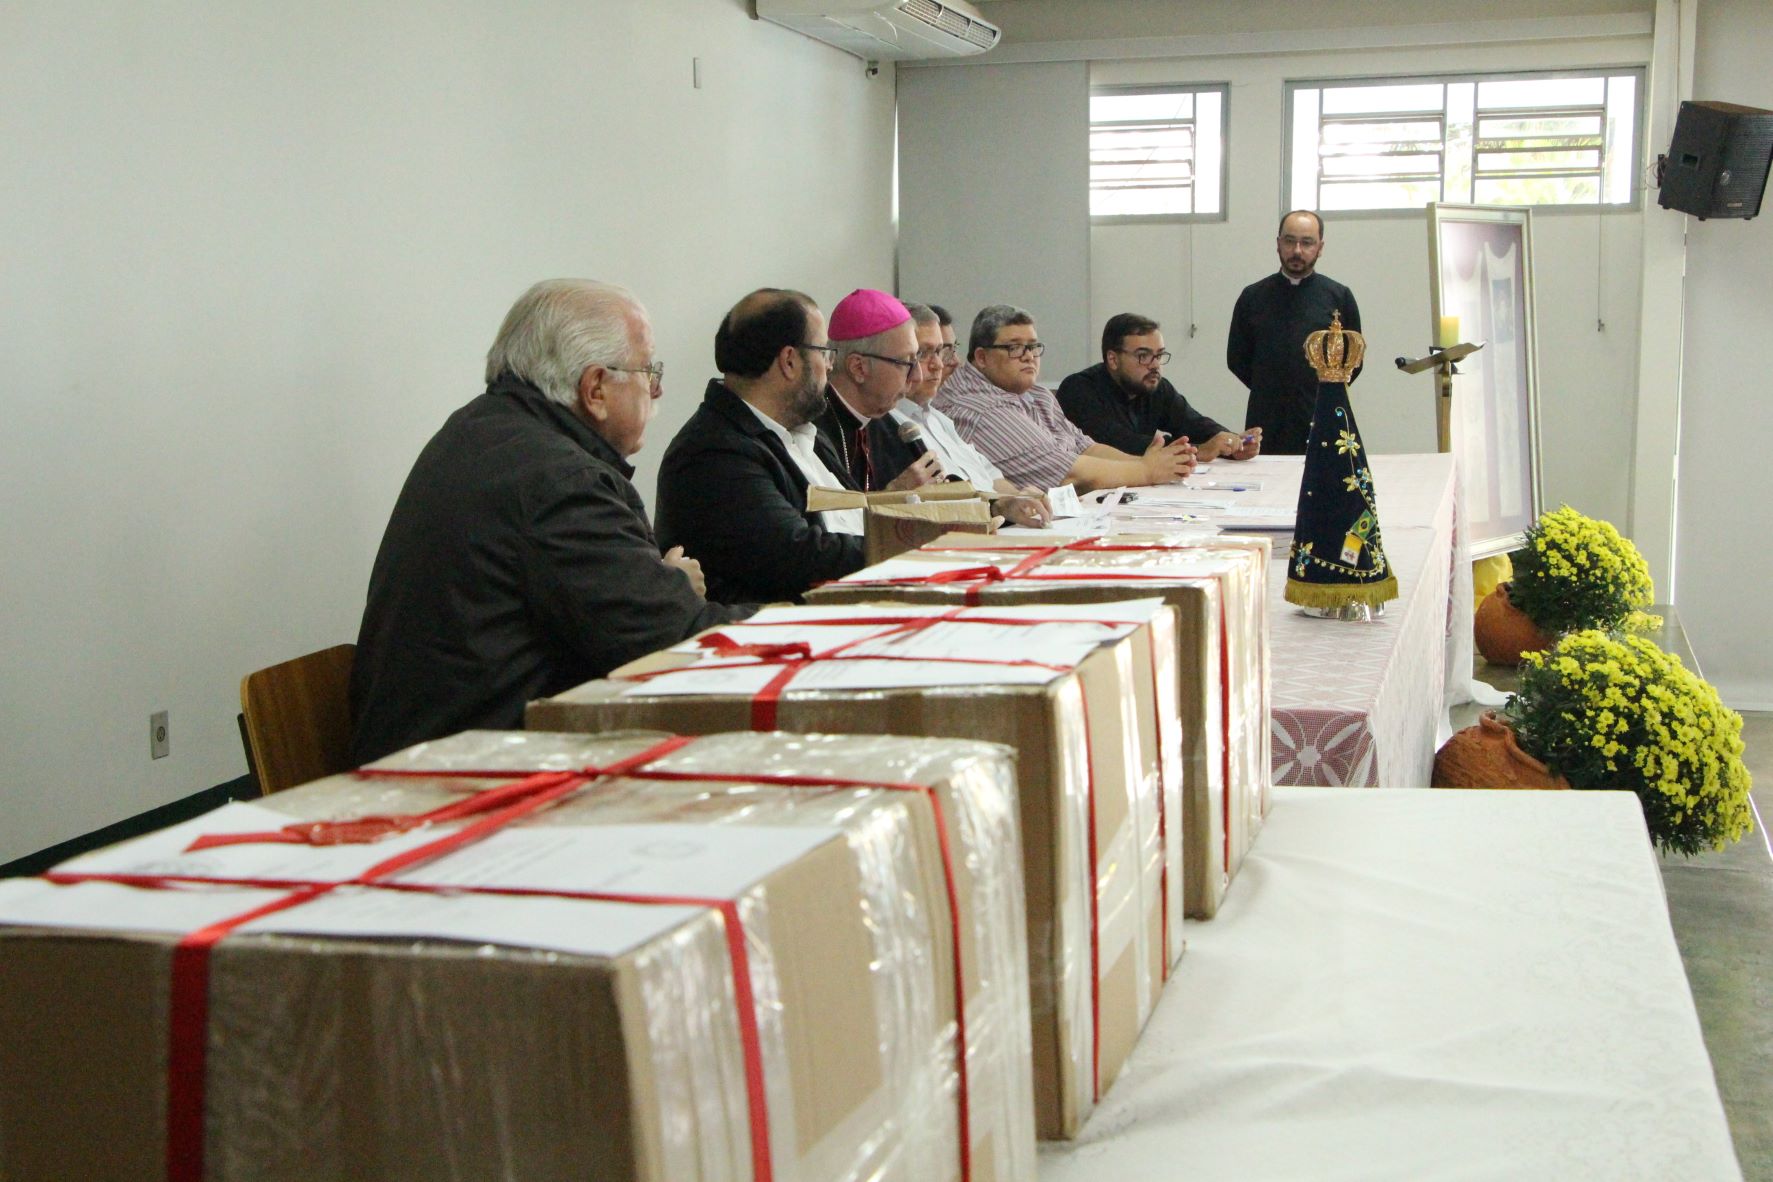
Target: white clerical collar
1298, 281
849, 406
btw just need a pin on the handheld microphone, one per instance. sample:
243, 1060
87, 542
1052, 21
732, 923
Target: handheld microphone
911, 435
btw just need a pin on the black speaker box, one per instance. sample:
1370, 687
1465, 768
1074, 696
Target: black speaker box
1717, 162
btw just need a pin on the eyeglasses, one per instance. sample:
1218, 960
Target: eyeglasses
829, 351
1020, 349
949, 355
1288, 241
924, 355
1146, 356
655, 372
910, 367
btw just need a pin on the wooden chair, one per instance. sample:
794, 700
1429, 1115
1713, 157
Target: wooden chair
296, 718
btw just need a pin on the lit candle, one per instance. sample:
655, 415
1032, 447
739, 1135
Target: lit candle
1449, 331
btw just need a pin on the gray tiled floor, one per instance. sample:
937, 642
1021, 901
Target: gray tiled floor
1721, 907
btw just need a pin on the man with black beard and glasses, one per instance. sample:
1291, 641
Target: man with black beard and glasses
1125, 401
1273, 316
733, 483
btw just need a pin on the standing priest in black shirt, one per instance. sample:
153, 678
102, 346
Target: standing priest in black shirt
1124, 400
1266, 349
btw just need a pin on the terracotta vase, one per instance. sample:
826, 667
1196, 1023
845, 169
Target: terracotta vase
1486, 756
1504, 632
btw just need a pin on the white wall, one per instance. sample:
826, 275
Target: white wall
1725, 509
993, 218
1185, 274
254, 254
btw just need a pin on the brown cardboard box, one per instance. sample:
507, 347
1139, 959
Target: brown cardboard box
895, 522
380, 1034
1090, 731
1218, 586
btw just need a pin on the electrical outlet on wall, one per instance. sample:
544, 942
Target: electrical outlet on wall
159, 734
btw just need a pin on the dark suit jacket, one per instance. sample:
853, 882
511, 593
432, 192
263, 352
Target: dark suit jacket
837, 431
517, 563
735, 500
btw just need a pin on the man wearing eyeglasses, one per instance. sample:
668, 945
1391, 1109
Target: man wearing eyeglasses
733, 484
876, 360
1272, 318
999, 406
960, 459
950, 355
1125, 401
518, 561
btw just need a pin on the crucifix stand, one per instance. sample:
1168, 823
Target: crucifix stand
1445, 361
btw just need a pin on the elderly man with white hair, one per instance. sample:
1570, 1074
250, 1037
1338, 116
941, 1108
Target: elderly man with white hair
518, 561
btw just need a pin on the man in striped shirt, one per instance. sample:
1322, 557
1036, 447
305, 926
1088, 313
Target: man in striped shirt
998, 405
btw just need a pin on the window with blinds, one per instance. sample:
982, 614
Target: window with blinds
1158, 152
1550, 139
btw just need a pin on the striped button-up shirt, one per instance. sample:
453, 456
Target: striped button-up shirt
1026, 435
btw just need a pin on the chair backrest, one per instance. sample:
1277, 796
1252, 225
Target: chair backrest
298, 718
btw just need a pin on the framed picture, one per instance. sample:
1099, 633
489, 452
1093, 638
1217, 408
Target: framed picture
1480, 266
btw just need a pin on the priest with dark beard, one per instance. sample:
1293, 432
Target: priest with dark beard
1273, 316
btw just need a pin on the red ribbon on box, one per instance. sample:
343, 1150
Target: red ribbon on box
1025, 570
764, 713
188, 1026
368, 829
939, 814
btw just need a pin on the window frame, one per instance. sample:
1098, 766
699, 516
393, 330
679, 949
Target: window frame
1635, 166
1223, 90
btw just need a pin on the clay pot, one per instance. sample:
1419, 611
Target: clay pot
1486, 756
1504, 632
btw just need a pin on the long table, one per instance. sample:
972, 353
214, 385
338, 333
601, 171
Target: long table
1352, 704
1424, 985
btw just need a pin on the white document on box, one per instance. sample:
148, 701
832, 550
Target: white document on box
110, 907
1174, 564
563, 925
1061, 644
817, 636
673, 861
582, 926
949, 653
695, 863
688, 861
166, 852
927, 564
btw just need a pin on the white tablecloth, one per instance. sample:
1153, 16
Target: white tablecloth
1355, 704
1424, 985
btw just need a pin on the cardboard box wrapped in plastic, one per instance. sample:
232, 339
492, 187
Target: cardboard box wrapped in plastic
894, 522
1217, 583
724, 958
1086, 696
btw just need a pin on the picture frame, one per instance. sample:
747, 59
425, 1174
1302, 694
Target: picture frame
1480, 264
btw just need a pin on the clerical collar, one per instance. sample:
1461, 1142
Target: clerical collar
857, 418
1293, 281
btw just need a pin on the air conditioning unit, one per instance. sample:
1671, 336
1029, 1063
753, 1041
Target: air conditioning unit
888, 29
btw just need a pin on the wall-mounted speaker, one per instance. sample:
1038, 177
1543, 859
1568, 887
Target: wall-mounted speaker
1718, 160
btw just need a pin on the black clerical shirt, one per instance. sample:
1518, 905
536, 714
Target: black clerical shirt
1266, 350
1104, 410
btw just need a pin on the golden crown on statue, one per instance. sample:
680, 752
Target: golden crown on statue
1334, 352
